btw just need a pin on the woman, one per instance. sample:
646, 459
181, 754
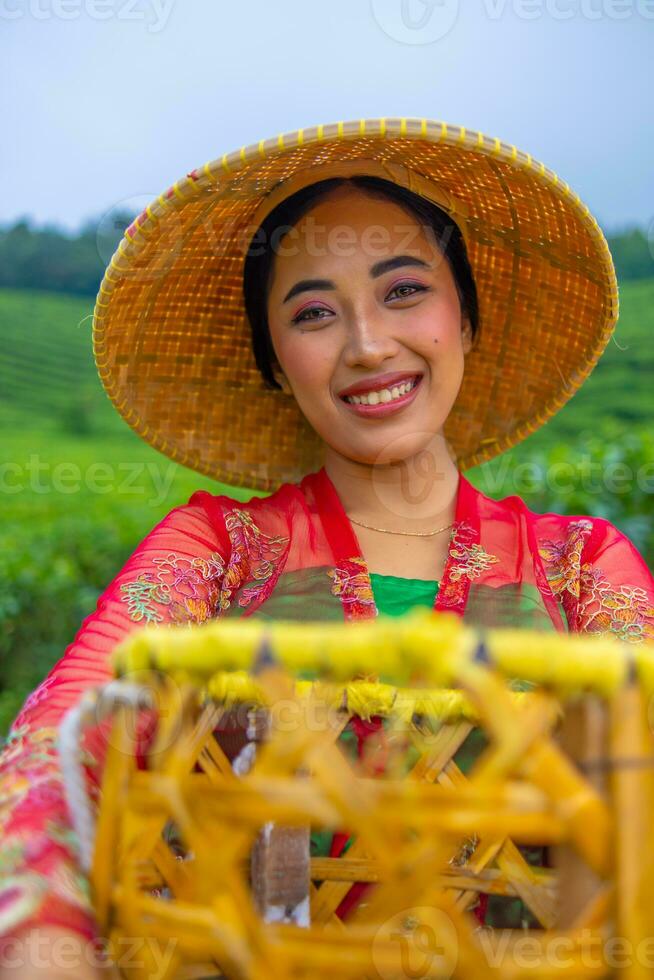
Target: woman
349, 316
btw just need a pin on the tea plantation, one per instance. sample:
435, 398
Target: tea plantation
79, 490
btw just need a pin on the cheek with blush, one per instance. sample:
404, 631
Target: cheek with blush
308, 373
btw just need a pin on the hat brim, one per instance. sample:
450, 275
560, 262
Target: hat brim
172, 341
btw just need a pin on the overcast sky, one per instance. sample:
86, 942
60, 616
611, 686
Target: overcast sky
109, 101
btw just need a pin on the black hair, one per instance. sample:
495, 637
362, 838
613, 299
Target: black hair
260, 255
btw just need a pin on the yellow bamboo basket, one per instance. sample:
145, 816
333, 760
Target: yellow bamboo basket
200, 843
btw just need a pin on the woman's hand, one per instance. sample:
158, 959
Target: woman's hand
53, 952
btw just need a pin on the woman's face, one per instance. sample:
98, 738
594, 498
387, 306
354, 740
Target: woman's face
366, 324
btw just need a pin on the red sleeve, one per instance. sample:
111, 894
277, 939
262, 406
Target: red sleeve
616, 589
598, 576
174, 576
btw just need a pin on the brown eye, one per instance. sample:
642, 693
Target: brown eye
305, 314
412, 288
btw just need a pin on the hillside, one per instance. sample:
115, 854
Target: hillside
47, 372
620, 387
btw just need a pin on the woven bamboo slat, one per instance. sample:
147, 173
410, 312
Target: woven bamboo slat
207, 842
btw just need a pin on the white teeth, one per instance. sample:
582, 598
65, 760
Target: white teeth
383, 396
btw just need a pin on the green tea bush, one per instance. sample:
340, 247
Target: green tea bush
608, 474
64, 536
52, 570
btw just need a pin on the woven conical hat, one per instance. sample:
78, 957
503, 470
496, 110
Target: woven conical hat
171, 337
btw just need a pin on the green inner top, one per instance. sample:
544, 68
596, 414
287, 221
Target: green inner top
394, 595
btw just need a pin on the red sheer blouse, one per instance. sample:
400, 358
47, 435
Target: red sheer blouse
291, 555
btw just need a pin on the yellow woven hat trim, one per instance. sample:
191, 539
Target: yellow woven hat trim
172, 341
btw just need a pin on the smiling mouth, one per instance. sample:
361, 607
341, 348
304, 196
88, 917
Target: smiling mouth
385, 395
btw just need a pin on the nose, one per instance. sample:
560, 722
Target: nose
369, 341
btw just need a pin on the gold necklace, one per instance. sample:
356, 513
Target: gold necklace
415, 534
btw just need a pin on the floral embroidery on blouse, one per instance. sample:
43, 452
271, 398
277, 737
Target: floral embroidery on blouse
466, 560
563, 559
351, 584
255, 557
190, 587
469, 560
38, 857
625, 611
589, 600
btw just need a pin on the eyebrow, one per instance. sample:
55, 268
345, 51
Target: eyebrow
377, 270
396, 262
304, 285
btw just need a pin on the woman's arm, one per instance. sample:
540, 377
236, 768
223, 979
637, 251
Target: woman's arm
174, 576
